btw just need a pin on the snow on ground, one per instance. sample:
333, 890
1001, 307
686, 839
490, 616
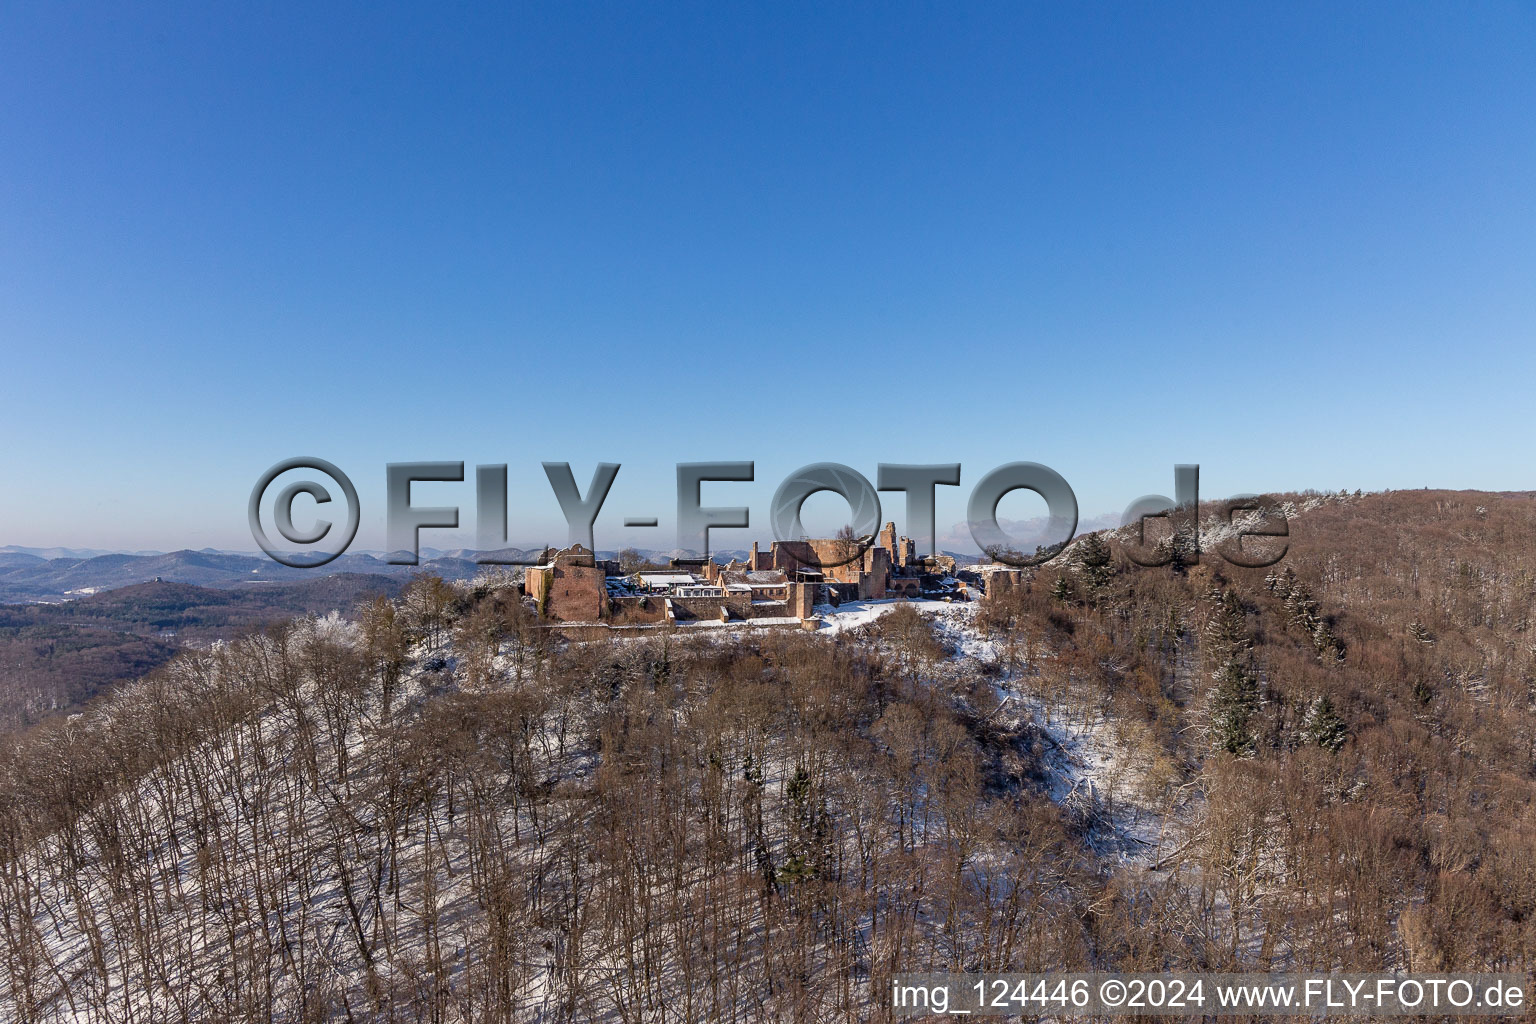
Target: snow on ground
853, 614
1090, 772
1093, 774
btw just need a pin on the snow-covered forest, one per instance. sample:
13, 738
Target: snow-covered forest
432, 809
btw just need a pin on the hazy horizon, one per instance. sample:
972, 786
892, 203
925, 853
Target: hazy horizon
1108, 242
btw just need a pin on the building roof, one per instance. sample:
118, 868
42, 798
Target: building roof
756, 578
668, 579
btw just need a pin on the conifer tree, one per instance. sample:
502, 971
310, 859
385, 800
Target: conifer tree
1323, 725
1097, 563
1234, 700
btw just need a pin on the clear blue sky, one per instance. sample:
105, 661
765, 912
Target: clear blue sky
1293, 243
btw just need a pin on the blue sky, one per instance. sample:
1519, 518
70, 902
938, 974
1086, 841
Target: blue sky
1295, 244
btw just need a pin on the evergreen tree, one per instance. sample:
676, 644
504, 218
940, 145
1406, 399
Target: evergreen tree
1323, 725
1097, 562
1302, 612
1183, 551
1423, 692
1234, 701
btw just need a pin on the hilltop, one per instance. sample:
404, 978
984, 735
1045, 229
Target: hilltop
434, 808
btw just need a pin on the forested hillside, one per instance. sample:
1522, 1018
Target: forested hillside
432, 809
55, 657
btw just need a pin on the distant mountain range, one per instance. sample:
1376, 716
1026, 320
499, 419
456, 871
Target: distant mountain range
65, 574
47, 554
27, 577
